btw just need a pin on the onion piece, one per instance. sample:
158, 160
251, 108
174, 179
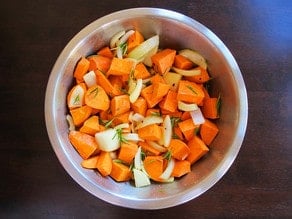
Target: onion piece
149, 120
126, 36
168, 170
147, 60
122, 126
167, 131
195, 57
143, 169
121, 47
70, 122
157, 146
187, 106
76, 98
137, 117
131, 137
141, 51
132, 127
120, 52
132, 85
141, 179
197, 116
136, 91
191, 72
90, 79
107, 140
169, 180
138, 159
114, 40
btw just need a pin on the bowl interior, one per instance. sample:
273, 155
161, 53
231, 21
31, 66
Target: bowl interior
176, 31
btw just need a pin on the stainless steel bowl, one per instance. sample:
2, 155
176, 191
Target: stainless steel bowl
176, 31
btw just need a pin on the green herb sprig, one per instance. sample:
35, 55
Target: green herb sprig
167, 155
119, 135
218, 104
174, 121
94, 91
192, 89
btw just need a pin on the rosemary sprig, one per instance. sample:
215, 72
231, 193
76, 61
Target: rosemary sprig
108, 123
196, 131
148, 83
119, 135
174, 121
95, 91
192, 89
218, 104
124, 47
167, 155
76, 100
143, 155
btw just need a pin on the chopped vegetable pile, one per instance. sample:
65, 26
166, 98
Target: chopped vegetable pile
140, 112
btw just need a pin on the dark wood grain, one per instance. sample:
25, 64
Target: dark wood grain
33, 183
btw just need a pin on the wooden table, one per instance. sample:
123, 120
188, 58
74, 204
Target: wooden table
33, 183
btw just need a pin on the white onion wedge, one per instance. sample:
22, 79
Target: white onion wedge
157, 146
149, 120
76, 97
107, 140
195, 57
121, 47
168, 170
147, 60
191, 72
138, 160
132, 85
70, 122
197, 116
137, 117
90, 79
114, 40
122, 126
131, 137
188, 107
126, 36
120, 52
141, 179
140, 52
167, 131
136, 91
169, 180
143, 169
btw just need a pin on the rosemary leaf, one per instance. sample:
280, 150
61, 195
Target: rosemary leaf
167, 155
174, 121
218, 104
119, 135
76, 100
108, 123
95, 91
192, 89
